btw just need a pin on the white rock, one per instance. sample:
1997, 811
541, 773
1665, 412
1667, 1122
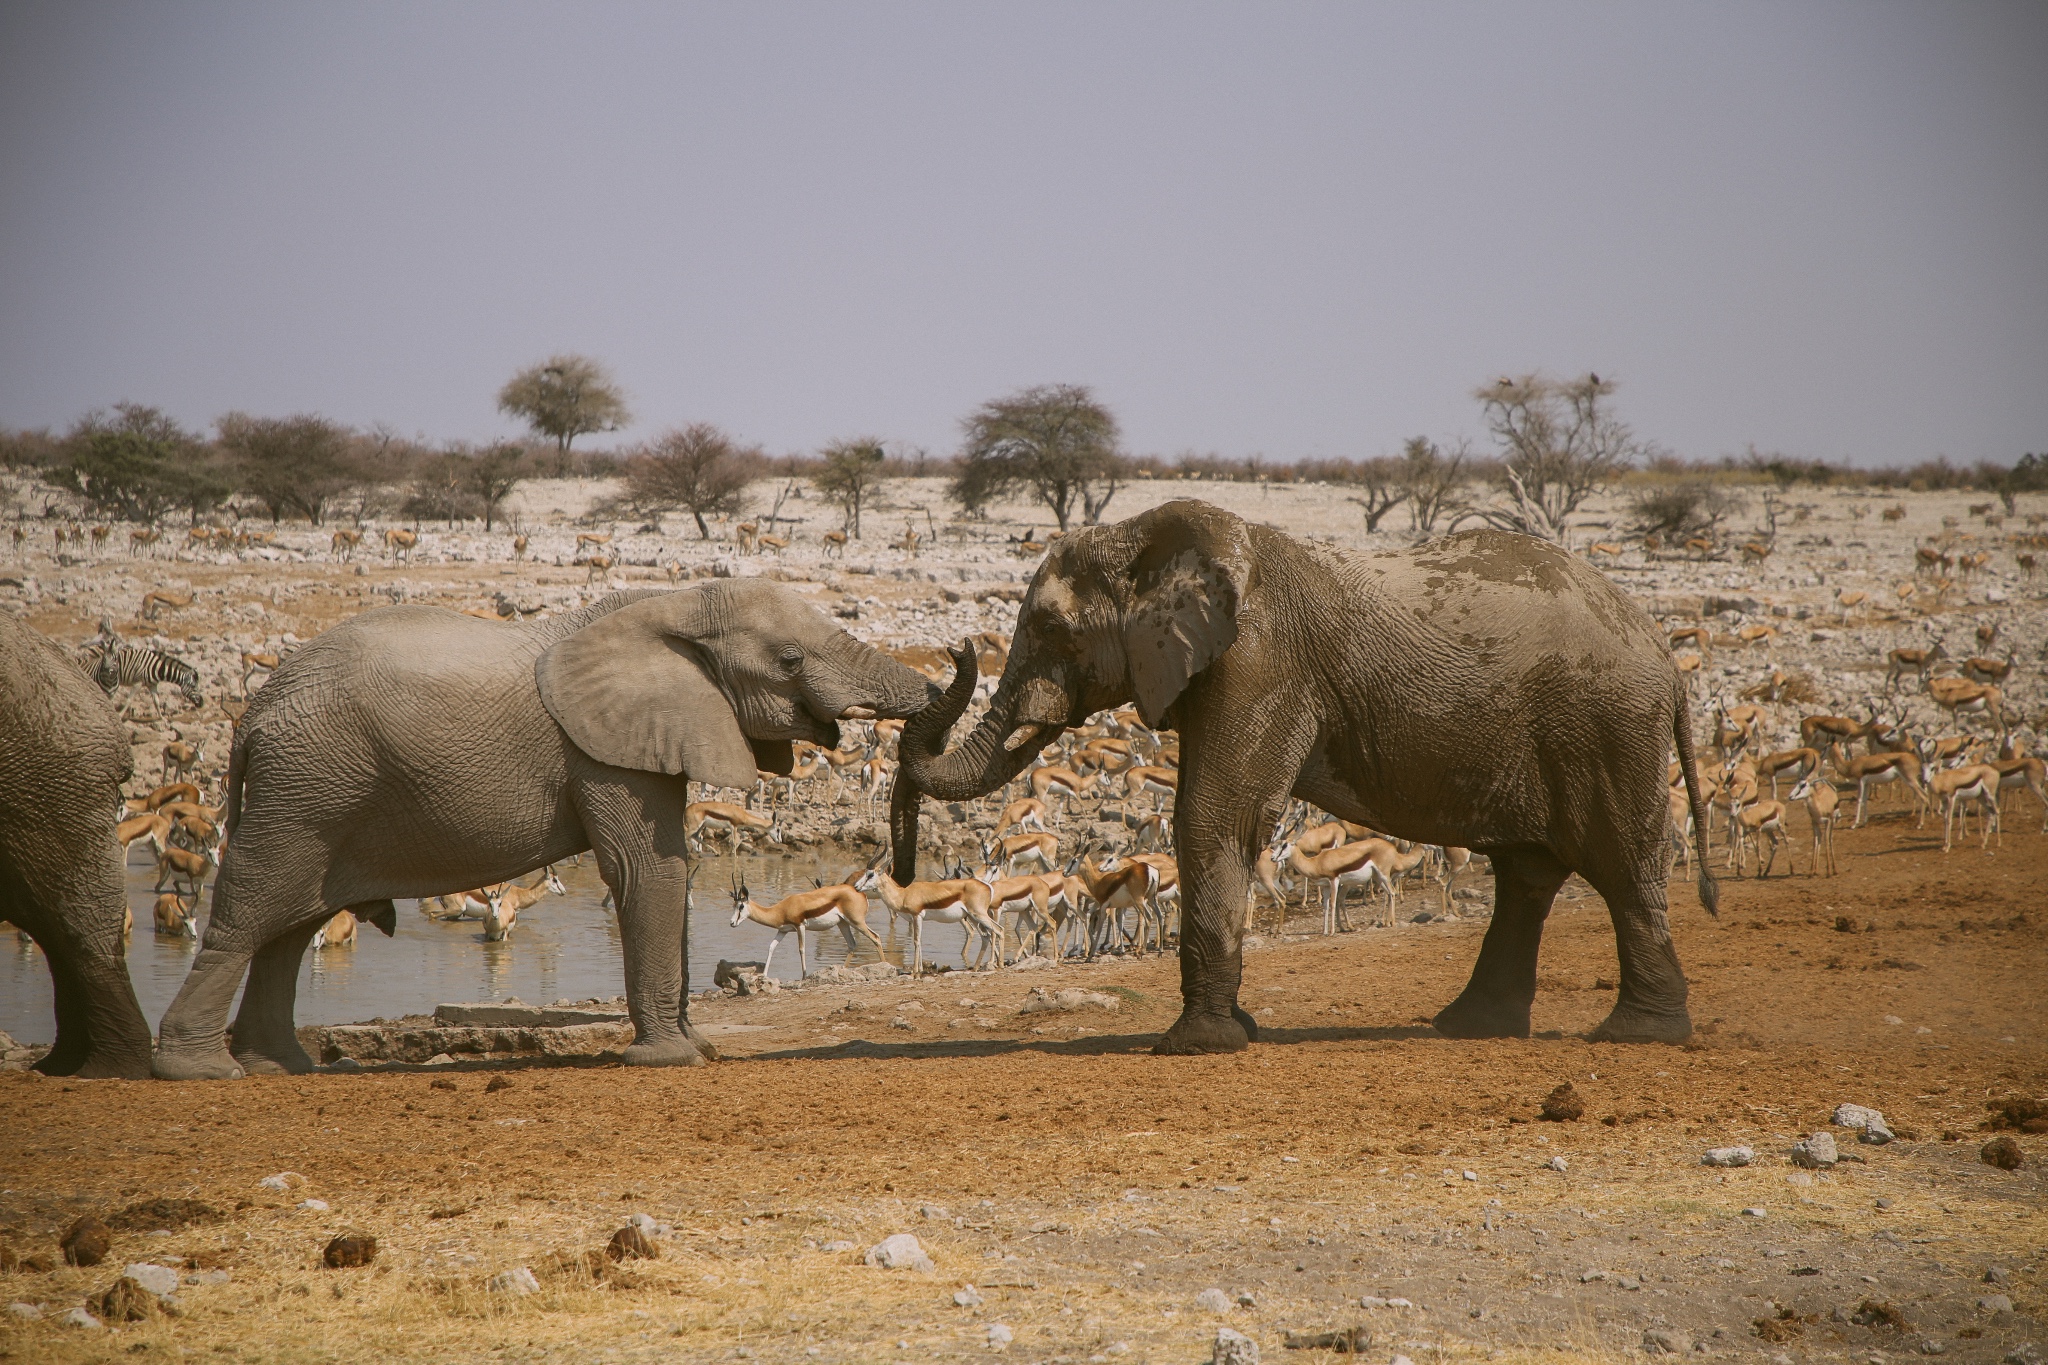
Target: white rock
1995, 1303
1728, 1156
1401, 1360
933, 1211
283, 1180
1869, 1123
1040, 1001
31, 1311
967, 1297
1000, 1335
899, 1252
313, 1205
1558, 1163
1816, 1153
1471, 1175
1753, 1213
518, 1280
1213, 1301
1234, 1348
157, 1279
838, 1248
78, 1317
439, 1059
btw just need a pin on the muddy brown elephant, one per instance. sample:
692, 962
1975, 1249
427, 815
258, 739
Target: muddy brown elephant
1485, 690
63, 758
415, 752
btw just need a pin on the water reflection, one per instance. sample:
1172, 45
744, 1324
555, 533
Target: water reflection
565, 947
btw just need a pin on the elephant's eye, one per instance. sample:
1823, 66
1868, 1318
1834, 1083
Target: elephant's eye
792, 658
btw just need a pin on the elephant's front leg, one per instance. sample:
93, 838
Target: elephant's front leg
635, 821
1223, 814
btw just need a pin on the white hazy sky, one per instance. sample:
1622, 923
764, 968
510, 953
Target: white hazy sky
1280, 229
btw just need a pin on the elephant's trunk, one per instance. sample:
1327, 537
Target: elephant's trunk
980, 764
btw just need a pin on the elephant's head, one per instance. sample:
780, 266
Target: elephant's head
1116, 613
716, 681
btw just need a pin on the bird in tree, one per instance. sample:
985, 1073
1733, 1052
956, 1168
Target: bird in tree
565, 397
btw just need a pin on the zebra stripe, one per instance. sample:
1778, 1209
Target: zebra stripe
132, 665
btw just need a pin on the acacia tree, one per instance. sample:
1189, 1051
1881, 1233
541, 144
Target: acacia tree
1054, 440
562, 398
136, 464
489, 475
1431, 479
1380, 480
292, 465
1559, 446
851, 476
697, 468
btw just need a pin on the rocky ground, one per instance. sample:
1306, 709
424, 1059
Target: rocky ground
1076, 1197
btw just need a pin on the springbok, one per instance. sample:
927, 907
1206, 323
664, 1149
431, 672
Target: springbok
338, 932
957, 900
1975, 783
839, 906
728, 817
1029, 813
1823, 804
1879, 770
401, 543
1345, 863
174, 917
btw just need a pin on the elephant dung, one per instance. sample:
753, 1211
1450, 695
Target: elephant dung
86, 1241
632, 1242
1563, 1105
2003, 1153
125, 1301
349, 1250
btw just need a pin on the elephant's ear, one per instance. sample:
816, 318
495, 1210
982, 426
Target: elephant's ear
631, 691
1189, 572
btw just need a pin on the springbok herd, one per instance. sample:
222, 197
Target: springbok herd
1870, 653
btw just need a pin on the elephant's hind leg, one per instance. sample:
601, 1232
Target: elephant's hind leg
192, 1040
265, 1041
1495, 1002
1651, 1007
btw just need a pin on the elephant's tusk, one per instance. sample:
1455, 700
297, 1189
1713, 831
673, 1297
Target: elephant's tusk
1020, 737
857, 713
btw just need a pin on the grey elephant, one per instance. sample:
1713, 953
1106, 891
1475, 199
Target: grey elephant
414, 751
1486, 690
63, 758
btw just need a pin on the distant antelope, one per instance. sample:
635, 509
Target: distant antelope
592, 540
1026, 813
748, 533
178, 759
342, 544
1065, 783
174, 918
816, 911
1761, 818
909, 541
727, 817
835, 543
1604, 547
597, 567
1972, 784
777, 544
959, 900
1846, 600
144, 539
1755, 552
1161, 782
1823, 803
1985, 670
1896, 512
1914, 661
154, 602
1879, 770
99, 537
338, 932
1959, 696
254, 662
519, 546
401, 543
175, 863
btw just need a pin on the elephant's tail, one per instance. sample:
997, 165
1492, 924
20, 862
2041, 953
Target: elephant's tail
1681, 734
231, 800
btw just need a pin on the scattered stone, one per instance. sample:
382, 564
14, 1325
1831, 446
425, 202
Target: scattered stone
1816, 1153
2003, 1153
349, 1250
497, 1083
518, 1280
1868, 1123
1213, 1301
173, 1214
649, 1225
86, 1241
280, 1182
159, 1280
30, 1311
1000, 1335
838, 1248
900, 1251
1041, 1001
1995, 1303
1563, 1105
125, 1301
78, 1317
932, 1211
1558, 1163
1997, 1274
631, 1242
1754, 1213
439, 1059
313, 1205
2026, 1353
1233, 1348
967, 1297
1728, 1156
1349, 1341
1664, 1341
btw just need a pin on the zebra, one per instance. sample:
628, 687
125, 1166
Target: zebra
113, 665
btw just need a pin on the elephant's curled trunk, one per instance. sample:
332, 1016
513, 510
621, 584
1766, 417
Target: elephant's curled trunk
978, 766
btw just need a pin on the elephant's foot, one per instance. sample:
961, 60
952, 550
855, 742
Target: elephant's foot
676, 1051
1195, 1034
703, 1044
275, 1059
1636, 1024
62, 1060
1478, 1016
171, 1064
124, 1066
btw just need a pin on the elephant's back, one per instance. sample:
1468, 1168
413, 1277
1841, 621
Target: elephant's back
49, 708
